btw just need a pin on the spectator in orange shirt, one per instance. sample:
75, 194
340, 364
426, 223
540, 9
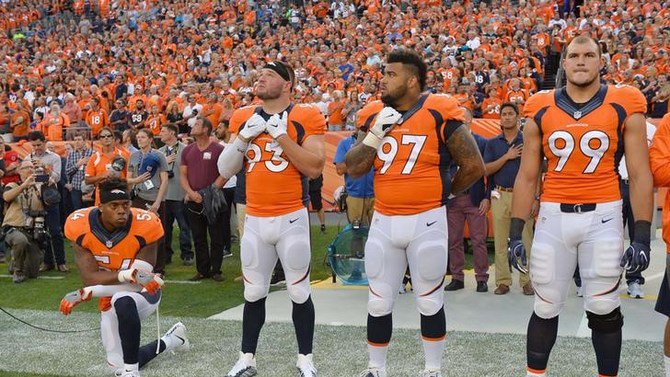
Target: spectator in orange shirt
155, 121
20, 121
212, 110
55, 122
72, 110
335, 116
491, 105
515, 94
96, 118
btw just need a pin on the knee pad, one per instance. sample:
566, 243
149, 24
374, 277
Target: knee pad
546, 310
431, 262
254, 292
299, 293
601, 305
542, 262
607, 258
379, 306
607, 323
297, 254
431, 304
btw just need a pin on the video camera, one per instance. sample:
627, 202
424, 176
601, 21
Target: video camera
36, 221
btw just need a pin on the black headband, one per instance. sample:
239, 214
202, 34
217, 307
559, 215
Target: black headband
112, 195
281, 70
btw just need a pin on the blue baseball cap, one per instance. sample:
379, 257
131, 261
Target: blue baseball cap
150, 163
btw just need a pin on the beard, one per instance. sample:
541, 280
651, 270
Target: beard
269, 94
391, 97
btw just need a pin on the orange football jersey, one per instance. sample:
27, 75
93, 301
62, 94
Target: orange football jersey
117, 250
275, 186
412, 163
583, 145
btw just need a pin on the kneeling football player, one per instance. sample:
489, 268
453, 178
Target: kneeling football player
115, 252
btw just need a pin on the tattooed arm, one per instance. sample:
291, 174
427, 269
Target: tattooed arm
463, 148
360, 158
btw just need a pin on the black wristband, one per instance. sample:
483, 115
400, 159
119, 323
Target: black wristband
516, 228
642, 232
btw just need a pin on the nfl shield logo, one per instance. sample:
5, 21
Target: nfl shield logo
109, 244
578, 114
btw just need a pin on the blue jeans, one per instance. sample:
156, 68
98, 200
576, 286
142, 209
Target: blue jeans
77, 203
55, 249
175, 209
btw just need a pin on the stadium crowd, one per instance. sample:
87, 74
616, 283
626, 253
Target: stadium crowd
99, 59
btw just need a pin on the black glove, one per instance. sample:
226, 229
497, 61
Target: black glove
636, 258
516, 251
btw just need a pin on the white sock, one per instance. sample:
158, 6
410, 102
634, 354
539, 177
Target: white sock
377, 356
433, 350
666, 361
131, 367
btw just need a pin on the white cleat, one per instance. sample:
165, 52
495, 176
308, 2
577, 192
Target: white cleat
305, 366
635, 290
580, 293
244, 367
373, 372
431, 373
175, 339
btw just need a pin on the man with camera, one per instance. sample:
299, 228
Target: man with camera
23, 225
47, 173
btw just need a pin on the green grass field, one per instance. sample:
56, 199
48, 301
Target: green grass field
340, 351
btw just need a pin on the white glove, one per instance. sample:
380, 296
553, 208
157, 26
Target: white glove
252, 128
277, 125
382, 126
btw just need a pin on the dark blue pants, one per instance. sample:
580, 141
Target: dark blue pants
175, 209
75, 196
55, 249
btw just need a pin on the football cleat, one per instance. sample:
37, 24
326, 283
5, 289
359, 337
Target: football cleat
305, 366
175, 338
244, 367
373, 372
431, 373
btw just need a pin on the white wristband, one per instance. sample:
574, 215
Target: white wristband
125, 276
372, 140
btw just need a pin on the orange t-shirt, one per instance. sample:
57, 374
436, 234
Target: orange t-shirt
267, 167
117, 250
100, 163
155, 123
588, 174
214, 117
413, 158
97, 120
494, 112
335, 113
